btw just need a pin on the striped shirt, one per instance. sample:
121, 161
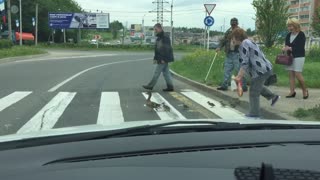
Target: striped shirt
253, 60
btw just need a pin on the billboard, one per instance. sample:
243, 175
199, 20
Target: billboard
79, 20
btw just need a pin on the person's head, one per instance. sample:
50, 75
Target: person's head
158, 28
293, 25
238, 35
234, 22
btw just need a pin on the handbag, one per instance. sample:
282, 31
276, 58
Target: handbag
271, 80
284, 59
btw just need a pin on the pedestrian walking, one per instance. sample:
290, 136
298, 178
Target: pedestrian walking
231, 62
254, 63
163, 56
295, 45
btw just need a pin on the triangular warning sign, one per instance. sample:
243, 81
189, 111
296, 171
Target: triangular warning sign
209, 8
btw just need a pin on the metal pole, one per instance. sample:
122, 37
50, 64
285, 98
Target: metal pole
64, 36
9, 19
208, 39
36, 33
20, 22
171, 22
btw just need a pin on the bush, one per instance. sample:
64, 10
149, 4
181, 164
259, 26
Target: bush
5, 44
313, 54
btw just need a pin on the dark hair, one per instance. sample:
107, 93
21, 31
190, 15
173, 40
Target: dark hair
239, 34
234, 20
158, 25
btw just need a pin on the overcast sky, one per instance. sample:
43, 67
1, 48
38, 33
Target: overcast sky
186, 13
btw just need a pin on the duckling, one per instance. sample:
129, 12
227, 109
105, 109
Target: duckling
151, 104
211, 104
165, 107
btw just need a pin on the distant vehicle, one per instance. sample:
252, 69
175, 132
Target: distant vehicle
213, 45
94, 41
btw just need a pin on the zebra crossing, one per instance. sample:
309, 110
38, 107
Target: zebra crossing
110, 111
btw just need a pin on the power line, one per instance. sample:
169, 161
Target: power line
160, 10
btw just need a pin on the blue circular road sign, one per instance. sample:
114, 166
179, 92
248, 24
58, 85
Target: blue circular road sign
209, 21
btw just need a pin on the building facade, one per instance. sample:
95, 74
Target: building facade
304, 10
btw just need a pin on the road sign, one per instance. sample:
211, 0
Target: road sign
209, 8
208, 21
14, 9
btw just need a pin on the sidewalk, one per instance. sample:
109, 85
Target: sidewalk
282, 110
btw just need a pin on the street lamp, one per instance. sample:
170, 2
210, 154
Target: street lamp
143, 22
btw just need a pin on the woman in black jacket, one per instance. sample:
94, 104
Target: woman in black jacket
295, 44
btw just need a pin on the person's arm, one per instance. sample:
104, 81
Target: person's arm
167, 49
287, 43
300, 43
244, 60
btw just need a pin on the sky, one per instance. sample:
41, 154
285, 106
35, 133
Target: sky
186, 13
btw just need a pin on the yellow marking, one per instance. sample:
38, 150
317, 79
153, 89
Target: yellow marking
193, 107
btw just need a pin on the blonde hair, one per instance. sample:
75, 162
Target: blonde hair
295, 23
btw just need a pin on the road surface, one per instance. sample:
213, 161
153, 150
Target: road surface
75, 88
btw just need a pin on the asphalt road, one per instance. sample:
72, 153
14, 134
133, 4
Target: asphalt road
67, 89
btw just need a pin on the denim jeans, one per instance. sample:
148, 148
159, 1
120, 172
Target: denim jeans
231, 63
257, 88
164, 68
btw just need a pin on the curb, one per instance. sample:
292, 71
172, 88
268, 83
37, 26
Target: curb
245, 104
21, 58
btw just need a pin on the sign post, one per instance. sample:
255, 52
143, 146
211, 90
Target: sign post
209, 21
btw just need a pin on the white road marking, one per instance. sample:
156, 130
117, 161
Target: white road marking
11, 99
65, 57
174, 114
47, 117
110, 112
86, 70
223, 112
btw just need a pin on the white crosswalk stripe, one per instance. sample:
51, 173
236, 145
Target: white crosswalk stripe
110, 112
47, 117
223, 112
164, 115
11, 99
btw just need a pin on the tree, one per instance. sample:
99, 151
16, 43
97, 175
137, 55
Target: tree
316, 22
271, 16
115, 26
45, 6
250, 32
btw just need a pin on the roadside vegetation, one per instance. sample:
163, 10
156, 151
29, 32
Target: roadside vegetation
8, 50
308, 114
196, 65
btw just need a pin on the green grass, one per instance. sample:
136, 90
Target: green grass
126, 47
308, 114
196, 66
20, 51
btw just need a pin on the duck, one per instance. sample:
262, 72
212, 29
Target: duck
151, 104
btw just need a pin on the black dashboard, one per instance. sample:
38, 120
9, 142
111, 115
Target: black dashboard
207, 155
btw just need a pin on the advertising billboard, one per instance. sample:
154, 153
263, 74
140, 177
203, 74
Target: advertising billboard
79, 20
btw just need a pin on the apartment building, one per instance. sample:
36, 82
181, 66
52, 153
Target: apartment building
304, 10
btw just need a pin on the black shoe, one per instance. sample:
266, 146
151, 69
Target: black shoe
275, 100
307, 96
168, 90
221, 88
292, 95
147, 87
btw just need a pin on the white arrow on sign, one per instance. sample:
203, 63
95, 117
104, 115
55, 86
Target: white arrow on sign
209, 8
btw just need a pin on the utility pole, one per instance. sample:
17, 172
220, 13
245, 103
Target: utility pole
20, 22
9, 19
36, 31
159, 10
171, 33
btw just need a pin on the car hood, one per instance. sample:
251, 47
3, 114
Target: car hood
98, 128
